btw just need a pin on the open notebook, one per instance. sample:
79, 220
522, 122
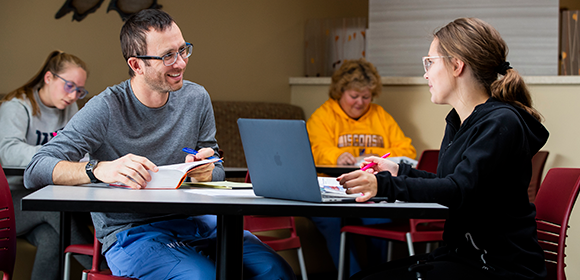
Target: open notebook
171, 176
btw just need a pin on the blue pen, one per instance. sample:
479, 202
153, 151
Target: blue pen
194, 152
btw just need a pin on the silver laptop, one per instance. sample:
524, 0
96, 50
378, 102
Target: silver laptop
281, 165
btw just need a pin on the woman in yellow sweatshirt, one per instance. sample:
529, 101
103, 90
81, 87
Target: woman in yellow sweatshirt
348, 125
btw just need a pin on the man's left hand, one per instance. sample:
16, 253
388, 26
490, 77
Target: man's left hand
201, 173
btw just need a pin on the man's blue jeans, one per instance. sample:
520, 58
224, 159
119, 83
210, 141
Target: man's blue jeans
185, 249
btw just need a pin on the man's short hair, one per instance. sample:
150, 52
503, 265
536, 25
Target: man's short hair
133, 33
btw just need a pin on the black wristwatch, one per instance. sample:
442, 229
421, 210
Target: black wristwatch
89, 168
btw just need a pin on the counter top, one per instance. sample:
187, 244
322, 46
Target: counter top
530, 80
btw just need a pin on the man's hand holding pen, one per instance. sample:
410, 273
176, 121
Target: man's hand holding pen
202, 173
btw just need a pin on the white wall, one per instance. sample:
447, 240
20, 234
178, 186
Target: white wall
400, 31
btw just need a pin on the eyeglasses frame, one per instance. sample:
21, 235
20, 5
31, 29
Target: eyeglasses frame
430, 57
81, 91
162, 58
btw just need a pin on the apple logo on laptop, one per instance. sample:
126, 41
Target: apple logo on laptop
277, 159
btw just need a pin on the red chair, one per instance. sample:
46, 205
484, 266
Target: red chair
415, 230
538, 163
95, 273
428, 161
256, 224
7, 230
554, 204
81, 249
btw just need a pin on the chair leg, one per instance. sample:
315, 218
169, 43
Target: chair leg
410, 244
66, 274
302, 264
341, 256
390, 251
428, 247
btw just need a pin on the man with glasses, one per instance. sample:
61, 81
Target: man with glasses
130, 129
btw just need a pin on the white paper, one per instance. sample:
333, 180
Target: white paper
223, 192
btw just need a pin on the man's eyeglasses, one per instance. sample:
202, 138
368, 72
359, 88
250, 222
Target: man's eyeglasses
170, 58
427, 61
71, 87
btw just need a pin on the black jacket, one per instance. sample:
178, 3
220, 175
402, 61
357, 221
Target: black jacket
483, 174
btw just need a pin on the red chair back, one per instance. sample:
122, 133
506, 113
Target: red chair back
554, 204
538, 163
7, 229
428, 161
423, 225
95, 273
265, 223
256, 224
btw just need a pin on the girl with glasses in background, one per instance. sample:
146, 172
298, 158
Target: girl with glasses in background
29, 117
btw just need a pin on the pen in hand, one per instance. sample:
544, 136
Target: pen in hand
374, 163
194, 152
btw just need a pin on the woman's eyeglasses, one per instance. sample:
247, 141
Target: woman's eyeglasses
71, 87
427, 61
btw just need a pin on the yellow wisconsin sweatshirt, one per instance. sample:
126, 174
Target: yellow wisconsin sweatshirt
332, 132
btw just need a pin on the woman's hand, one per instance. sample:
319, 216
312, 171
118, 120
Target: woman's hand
346, 159
359, 182
381, 164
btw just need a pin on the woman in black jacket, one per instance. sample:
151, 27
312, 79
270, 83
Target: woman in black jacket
484, 169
